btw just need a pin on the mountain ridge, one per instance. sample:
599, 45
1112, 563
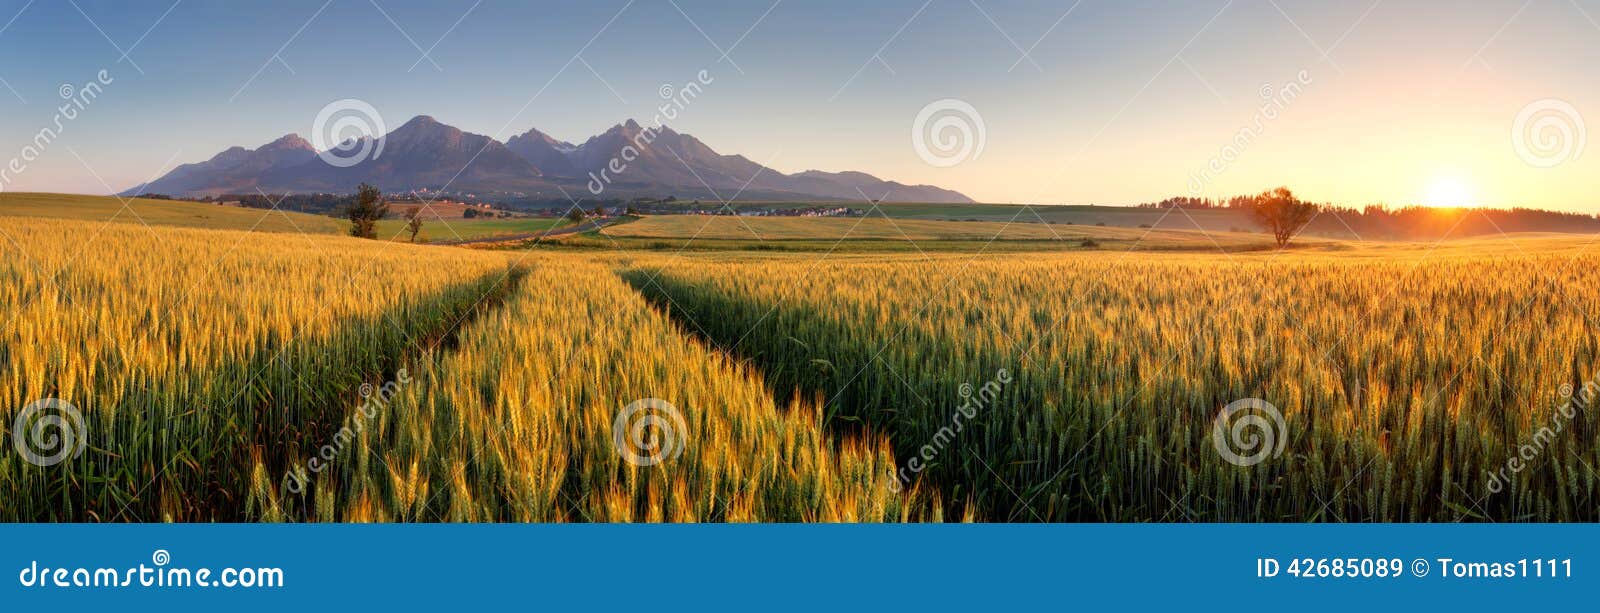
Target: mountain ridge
626, 159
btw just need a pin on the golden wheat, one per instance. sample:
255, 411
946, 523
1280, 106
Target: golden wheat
212, 368
189, 351
1407, 379
517, 424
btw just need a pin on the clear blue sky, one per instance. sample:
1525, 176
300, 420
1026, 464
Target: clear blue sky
1119, 101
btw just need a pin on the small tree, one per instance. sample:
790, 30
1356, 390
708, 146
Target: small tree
1278, 211
599, 210
365, 212
414, 222
575, 215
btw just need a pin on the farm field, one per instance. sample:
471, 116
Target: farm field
185, 214
163, 213
721, 227
540, 448
198, 356
213, 367
1405, 384
461, 229
199, 400
726, 232
1082, 215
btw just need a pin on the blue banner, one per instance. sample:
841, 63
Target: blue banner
794, 567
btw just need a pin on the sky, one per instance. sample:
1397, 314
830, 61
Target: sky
1098, 101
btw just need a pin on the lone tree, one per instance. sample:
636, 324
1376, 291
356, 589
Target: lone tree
575, 215
1279, 212
365, 212
414, 222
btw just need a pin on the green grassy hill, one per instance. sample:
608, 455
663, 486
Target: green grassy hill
187, 214
163, 213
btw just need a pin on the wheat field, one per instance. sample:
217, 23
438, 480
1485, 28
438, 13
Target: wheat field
213, 368
516, 424
1405, 382
191, 352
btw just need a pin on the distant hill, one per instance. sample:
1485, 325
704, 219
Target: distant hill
164, 213
424, 153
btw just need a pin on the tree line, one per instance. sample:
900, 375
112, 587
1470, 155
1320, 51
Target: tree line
1278, 211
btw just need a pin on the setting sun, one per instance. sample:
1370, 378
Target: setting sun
1450, 191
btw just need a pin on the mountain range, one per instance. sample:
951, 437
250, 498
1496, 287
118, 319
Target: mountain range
426, 154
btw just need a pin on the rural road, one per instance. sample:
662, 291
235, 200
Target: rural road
505, 238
